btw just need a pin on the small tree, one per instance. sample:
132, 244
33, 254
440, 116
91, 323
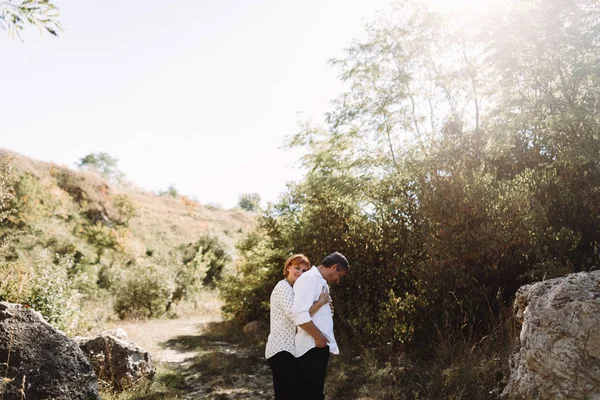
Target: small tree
249, 202
104, 164
14, 14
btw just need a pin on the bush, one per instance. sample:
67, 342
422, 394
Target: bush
143, 291
126, 208
53, 293
249, 202
197, 265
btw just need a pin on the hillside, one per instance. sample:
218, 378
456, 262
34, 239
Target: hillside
72, 237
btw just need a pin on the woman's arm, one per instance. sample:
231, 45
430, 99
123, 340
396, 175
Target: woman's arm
323, 299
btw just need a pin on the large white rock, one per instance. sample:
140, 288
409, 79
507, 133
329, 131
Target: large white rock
559, 355
117, 360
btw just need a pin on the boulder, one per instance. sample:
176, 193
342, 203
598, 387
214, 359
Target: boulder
559, 354
255, 331
39, 362
254, 328
117, 360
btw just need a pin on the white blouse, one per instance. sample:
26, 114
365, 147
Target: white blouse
283, 326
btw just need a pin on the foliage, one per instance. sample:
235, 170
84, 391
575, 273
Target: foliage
249, 202
54, 291
6, 188
14, 14
143, 291
68, 241
199, 265
461, 163
168, 384
104, 164
189, 204
126, 208
259, 257
171, 191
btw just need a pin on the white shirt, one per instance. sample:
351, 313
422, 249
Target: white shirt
283, 327
307, 290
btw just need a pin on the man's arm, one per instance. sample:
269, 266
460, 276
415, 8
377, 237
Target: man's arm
319, 338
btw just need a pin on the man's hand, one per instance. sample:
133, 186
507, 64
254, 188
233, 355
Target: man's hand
321, 341
317, 335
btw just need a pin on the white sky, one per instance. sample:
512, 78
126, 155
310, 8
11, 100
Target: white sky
195, 93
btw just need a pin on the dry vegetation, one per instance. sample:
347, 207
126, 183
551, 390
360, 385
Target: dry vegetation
160, 220
76, 241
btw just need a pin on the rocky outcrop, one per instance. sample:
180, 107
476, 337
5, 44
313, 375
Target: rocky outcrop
117, 360
40, 362
559, 354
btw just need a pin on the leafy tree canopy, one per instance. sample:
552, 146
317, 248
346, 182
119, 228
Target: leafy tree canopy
461, 163
104, 164
249, 202
16, 14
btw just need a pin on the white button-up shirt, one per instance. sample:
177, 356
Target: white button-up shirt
307, 290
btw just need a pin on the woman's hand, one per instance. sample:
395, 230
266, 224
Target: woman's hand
321, 301
324, 297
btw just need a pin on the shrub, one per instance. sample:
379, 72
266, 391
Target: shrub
198, 265
249, 202
143, 291
54, 293
126, 208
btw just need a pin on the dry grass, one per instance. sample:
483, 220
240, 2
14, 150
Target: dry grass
162, 222
449, 367
168, 384
74, 213
200, 357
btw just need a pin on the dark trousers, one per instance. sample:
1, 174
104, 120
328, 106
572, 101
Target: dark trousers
312, 369
283, 365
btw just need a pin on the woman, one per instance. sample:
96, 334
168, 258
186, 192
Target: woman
280, 345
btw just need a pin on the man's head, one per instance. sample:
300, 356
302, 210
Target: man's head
336, 267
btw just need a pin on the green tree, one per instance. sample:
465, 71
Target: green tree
15, 14
460, 164
201, 265
249, 202
104, 164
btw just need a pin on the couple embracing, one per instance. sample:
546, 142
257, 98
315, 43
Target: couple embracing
301, 336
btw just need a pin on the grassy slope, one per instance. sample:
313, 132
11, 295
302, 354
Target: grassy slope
67, 240
161, 222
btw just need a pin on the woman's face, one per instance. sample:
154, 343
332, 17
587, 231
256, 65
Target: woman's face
294, 272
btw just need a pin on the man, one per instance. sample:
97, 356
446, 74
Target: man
314, 339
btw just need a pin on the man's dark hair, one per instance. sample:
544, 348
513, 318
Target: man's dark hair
336, 259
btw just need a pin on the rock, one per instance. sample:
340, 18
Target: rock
559, 354
117, 361
254, 328
43, 363
255, 331
118, 332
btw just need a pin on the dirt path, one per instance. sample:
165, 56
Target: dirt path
214, 363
